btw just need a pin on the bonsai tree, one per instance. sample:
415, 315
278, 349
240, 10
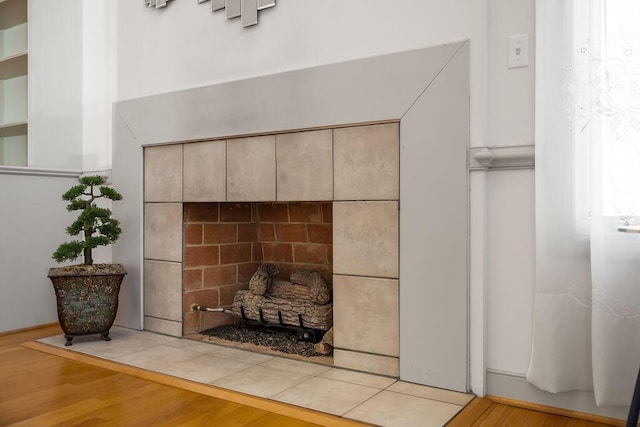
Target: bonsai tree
95, 223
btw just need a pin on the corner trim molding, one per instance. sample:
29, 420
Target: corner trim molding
20, 170
508, 157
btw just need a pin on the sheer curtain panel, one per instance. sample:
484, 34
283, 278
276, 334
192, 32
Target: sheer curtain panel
586, 333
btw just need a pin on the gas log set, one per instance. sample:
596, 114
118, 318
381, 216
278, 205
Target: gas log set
303, 304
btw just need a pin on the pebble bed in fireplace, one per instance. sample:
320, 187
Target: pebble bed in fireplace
278, 340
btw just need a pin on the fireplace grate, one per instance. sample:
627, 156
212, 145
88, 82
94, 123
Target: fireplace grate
304, 333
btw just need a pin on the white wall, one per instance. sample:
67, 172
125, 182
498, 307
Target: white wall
55, 84
511, 90
34, 219
509, 195
511, 265
32, 213
186, 45
98, 69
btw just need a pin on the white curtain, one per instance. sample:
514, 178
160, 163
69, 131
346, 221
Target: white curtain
586, 333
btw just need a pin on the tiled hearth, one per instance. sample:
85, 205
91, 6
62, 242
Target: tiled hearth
355, 170
358, 396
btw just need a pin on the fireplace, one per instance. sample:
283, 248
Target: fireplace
324, 200
224, 243
411, 248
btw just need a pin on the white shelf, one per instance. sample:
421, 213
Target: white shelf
13, 66
12, 13
13, 129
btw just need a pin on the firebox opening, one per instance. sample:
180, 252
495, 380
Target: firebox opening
226, 243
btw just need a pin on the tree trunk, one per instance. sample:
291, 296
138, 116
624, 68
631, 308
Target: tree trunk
88, 258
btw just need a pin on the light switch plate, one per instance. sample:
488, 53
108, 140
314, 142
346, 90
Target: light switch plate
519, 51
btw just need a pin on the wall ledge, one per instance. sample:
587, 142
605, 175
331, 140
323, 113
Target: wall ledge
21, 170
504, 158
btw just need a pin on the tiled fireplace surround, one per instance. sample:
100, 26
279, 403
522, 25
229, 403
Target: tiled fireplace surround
214, 210
203, 144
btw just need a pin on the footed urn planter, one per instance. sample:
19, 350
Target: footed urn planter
87, 298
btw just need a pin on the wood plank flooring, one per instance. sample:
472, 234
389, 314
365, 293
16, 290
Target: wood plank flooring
40, 389
484, 412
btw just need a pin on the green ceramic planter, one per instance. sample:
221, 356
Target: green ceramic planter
87, 298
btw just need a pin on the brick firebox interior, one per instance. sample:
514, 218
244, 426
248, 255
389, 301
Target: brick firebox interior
225, 243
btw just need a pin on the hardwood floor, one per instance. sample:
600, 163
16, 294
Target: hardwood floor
485, 412
38, 389
41, 389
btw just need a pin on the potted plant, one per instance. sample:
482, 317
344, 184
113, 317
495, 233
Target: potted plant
87, 294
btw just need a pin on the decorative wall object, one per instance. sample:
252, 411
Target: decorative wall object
156, 3
246, 9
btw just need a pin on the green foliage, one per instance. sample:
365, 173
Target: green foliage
68, 251
95, 223
110, 193
92, 180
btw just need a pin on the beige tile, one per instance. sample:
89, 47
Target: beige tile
197, 346
367, 162
261, 381
206, 368
116, 332
162, 326
321, 394
251, 169
158, 357
163, 173
432, 393
155, 338
243, 355
374, 326
371, 363
60, 340
118, 347
163, 231
305, 165
365, 239
400, 410
94, 345
347, 376
163, 290
128, 332
205, 173
83, 341
123, 342
296, 366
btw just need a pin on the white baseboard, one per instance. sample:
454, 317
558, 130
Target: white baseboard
515, 386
